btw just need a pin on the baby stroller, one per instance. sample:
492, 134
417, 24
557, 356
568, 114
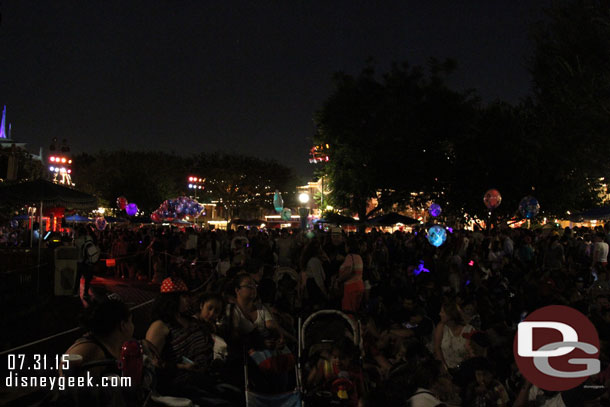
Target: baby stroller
330, 359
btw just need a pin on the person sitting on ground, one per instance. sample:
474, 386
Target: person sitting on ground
210, 310
108, 326
186, 353
247, 319
450, 337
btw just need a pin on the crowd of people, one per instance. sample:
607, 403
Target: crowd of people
437, 324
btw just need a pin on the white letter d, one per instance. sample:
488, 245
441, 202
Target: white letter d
525, 338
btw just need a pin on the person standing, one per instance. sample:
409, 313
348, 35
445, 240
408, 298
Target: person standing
85, 263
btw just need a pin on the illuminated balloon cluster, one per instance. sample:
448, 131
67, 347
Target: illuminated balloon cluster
529, 207
100, 223
177, 209
130, 208
435, 209
437, 235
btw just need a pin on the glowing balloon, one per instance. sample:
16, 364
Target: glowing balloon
121, 202
100, 223
286, 214
492, 199
435, 210
131, 209
529, 207
437, 235
278, 202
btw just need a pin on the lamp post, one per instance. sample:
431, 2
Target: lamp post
304, 209
319, 155
195, 183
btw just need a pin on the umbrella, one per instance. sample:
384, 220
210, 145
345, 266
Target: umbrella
20, 217
47, 193
392, 219
112, 219
337, 219
78, 219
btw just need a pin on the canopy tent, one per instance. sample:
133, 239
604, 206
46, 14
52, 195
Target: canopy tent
601, 213
78, 219
336, 219
392, 219
247, 222
44, 193
113, 219
47, 193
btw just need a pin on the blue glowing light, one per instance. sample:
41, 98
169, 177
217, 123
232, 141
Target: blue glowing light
420, 269
435, 210
437, 235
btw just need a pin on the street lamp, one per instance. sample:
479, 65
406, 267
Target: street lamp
304, 198
303, 210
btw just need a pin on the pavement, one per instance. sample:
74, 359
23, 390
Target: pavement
51, 328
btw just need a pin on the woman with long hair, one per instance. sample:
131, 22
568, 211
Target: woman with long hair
313, 275
350, 276
450, 336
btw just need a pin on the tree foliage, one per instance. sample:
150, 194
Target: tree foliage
391, 136
243, 185
570, 69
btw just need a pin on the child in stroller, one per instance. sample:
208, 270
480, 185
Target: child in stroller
337, 376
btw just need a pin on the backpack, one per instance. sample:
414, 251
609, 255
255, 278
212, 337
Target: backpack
91, 253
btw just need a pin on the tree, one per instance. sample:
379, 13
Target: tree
392, 136
570, 68
145, 178
244, 185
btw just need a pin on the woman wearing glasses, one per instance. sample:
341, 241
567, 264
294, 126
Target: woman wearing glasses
248, 319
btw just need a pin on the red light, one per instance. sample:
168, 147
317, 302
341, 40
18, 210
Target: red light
63, 160
52, 158
69, 171
69, 161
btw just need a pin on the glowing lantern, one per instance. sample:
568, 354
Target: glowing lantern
492, 199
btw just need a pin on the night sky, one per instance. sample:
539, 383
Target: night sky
236, 76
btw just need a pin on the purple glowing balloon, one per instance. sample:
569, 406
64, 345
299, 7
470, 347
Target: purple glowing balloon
131, 209
435, 210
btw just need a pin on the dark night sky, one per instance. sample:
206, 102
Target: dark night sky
237, 76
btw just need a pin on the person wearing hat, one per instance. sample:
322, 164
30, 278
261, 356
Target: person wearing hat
186, 352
